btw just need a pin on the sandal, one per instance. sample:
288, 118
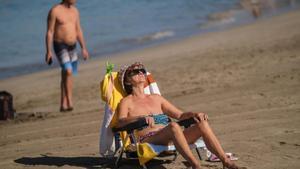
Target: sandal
214, 158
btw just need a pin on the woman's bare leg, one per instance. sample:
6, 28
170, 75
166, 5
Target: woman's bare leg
174, 133
203, 129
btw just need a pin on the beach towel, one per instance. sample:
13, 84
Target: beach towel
147, 151
111, 93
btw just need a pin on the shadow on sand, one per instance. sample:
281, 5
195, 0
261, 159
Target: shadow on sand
88, 162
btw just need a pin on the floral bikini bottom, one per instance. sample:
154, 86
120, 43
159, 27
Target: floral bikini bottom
151, 133
158, 119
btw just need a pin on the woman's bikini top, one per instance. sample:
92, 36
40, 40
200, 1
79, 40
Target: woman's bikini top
160, 119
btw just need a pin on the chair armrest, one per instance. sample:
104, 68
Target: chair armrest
140, 123
187, 122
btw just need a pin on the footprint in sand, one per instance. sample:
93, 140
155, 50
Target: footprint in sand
285, 143
210, 165
282, 142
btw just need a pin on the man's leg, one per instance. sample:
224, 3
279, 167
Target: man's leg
69, 87
173, 133
63, 96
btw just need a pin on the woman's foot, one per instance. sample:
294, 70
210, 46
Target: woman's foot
196, 166
228, 164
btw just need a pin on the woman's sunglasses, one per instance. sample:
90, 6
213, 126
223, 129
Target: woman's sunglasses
134, 72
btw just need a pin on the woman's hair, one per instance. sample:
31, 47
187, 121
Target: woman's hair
127, 85
124, 75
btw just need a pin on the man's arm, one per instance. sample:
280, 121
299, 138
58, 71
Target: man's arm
49, 34
80, 38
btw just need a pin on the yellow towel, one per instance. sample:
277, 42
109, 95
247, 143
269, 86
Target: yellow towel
112, 93
145, 153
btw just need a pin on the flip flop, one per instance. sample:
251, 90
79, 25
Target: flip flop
66, 109
214, 158
232, 157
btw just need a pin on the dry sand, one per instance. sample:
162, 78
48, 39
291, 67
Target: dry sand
247, 79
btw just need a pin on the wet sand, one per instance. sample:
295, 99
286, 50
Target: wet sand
247, 79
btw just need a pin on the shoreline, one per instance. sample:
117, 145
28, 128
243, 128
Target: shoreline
246, 78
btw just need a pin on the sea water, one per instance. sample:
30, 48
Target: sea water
109, 26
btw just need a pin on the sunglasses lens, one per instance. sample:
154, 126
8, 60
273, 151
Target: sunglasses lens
143, 71
137, 71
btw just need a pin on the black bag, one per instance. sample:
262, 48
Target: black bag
6, 106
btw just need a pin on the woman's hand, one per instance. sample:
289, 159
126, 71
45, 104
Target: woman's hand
150, 121
200, 116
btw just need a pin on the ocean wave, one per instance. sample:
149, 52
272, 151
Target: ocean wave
220, 18
223, 17
152, 37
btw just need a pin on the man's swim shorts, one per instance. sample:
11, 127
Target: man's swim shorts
66, 55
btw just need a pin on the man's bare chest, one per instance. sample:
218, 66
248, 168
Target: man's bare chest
66, 18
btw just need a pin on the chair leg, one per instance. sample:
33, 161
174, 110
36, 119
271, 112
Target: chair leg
144, 166
198, 153
119, 158
175, 156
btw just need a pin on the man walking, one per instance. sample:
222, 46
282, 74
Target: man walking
63, 31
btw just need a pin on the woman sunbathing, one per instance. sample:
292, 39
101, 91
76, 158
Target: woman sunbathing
155, 109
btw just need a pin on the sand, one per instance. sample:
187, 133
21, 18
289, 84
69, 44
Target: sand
247, 79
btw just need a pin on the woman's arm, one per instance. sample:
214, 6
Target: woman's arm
169, 109
176, 113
